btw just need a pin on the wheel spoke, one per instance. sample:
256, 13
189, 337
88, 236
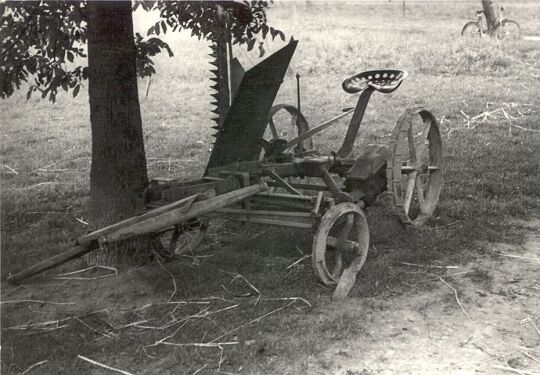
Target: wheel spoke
338, 264
345, 245
184, 237
411, 180
420, 192
346, 231
412, 147
292, 126
174, 239
423, 140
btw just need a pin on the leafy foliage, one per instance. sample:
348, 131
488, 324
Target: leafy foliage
245, 19
147, 49
45, 40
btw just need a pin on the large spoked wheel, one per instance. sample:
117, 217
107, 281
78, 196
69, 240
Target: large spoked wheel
184, 238
287, 122
342, 238
507, 29
472, 30
414, 172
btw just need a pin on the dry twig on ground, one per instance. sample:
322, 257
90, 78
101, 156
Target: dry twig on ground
520, 257
36, 301
428, 266
103, 365
455, 295
253, 321
300, 260
105, 334
33, 367
67, 276
528, 355
170, 274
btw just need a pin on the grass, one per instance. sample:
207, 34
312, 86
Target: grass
491, 182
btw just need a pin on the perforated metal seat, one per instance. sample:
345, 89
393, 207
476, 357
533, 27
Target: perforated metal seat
384, 81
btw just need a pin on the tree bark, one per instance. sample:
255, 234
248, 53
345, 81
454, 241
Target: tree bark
118, 174
491, 12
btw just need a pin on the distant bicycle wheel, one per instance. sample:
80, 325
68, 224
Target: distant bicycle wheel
507, 29
472, 30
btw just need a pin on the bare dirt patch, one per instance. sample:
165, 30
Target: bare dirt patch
419, 328
425, 332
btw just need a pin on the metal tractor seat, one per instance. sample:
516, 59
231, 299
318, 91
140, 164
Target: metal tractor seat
384, 81
366, 83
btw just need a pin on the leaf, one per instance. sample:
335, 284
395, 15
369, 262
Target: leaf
70, 56
76, 90
31, 65
29, 93
265, 30
250, 44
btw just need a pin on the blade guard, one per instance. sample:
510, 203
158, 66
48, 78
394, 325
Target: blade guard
246, 120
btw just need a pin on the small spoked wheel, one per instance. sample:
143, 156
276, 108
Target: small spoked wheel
287, 122
342, 238
507, 29
184, 238
472, 29
415, 171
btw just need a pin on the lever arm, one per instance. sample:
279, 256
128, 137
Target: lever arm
312, 131
348, 142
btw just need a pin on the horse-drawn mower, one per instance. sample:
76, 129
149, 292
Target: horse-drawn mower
255, 180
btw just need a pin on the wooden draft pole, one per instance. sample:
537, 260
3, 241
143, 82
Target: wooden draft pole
153, 221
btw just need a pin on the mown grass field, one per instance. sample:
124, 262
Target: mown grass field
492, 180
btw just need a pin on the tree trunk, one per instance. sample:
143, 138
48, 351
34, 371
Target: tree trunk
491, 12
118, 173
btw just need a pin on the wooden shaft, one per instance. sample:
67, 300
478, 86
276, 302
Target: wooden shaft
318, 203
88, 243
284, 184
57, 260
329, 181
176, 216
183, 204
283, 218
282, 204
313, 131
152, 223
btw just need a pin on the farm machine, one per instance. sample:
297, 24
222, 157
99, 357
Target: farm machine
285, 182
